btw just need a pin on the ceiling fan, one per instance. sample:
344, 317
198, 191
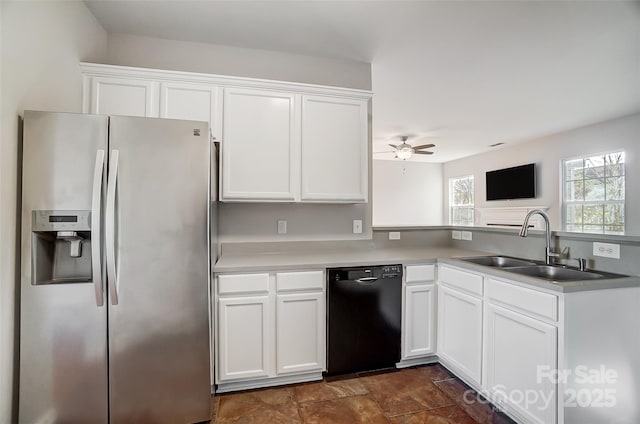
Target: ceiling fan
404, 151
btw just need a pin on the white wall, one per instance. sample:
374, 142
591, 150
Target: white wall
42, 43
148, 52
547, 153
407, 193
258, 222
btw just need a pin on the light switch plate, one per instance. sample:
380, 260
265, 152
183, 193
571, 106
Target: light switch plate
394, 235
357, 226
467, 235
606, 250
282, 226
456, 235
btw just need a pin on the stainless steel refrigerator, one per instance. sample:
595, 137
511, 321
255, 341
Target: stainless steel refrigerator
115, 270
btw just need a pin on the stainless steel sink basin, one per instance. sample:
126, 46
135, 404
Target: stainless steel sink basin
555, 273
497, 261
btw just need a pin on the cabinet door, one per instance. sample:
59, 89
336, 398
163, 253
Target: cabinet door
419, 320
119, 96
334, 149
300, 329
194, 102
516, 347
244, 337
260, 146
460, 332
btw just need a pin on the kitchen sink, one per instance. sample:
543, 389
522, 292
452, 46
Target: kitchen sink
497, 261
556, 273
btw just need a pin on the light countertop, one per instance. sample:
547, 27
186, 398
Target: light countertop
340, 256
281, 257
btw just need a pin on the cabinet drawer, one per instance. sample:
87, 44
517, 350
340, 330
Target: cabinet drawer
420, 273
466, 281
530, 302
308, 280
243, 283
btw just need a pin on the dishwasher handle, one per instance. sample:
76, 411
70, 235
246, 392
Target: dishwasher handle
366, 281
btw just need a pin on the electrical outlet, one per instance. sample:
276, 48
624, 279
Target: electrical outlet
467, 235
394, 235
357, 226
456, 235
282, 226
606, 250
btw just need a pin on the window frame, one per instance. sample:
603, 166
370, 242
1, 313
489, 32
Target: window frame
566, 203
467, 206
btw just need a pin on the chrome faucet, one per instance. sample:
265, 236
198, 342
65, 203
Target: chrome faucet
525, 229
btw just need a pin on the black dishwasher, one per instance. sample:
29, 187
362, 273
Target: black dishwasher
364, 307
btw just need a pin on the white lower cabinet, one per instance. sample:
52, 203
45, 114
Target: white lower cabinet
460, 332
244, 337
499, 336
270, 328
300, 332
419, 316
517, 348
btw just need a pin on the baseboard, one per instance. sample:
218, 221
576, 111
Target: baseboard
268, 382
412, 362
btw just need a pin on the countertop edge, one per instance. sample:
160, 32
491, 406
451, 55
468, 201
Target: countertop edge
447, 256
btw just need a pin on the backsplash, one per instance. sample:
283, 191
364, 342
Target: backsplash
507, 242
533, 247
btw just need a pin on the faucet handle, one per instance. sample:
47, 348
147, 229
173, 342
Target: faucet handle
552, 254
580, 262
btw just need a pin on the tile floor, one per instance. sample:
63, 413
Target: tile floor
421, 395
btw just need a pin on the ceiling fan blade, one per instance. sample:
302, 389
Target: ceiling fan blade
423, 153
393, 145
423, 146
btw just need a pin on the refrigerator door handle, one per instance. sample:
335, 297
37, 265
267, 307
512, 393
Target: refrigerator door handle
96, 221
110, 223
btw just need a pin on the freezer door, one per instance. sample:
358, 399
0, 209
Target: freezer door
63, 330
156, 225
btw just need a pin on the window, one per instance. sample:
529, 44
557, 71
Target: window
594, 194
461, 200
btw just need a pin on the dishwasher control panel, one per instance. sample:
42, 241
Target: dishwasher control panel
391, 271
354, 273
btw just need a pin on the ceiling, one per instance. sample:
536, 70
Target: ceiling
460, 74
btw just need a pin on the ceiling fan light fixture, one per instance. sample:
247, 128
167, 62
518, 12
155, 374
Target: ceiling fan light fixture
404, 153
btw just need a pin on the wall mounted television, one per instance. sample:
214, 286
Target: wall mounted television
518, 182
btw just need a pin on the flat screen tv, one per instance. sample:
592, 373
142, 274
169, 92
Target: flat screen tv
518, 182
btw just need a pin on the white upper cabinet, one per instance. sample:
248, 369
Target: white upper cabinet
194, 102
280, 141
123, 96
334, 149
260, 145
